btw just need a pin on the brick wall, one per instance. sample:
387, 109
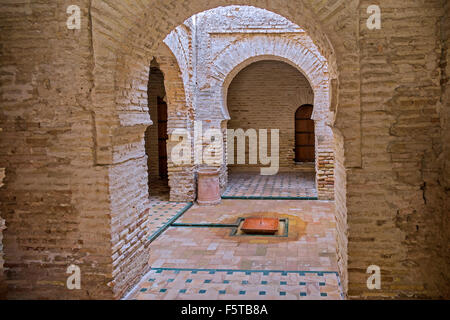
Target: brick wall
394, 201
55, 201
2, 227
443, 288
265, 91
340, 196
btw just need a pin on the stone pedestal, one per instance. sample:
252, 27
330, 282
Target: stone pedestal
208, 186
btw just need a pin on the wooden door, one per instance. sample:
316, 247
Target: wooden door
304, 134
162, 137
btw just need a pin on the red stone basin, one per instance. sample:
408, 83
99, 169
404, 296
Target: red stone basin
260, 225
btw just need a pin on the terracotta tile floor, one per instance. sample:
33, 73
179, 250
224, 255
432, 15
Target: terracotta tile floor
210, 258
284, 184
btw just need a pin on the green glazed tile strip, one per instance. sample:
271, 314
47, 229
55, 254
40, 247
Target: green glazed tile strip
158, 232
267, 198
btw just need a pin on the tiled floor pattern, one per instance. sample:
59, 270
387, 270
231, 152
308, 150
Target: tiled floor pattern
213, 284
162, 211
282, 185
309, 247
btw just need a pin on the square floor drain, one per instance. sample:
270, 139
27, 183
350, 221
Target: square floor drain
283, 229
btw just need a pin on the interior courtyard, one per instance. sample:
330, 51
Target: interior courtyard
111, 133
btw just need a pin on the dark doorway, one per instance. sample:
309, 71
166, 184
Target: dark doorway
304, 134
162, 137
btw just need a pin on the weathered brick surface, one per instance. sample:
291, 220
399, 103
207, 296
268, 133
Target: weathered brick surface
2, 227
74, 113
394, 202
340, 197
445, 156
55, 201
